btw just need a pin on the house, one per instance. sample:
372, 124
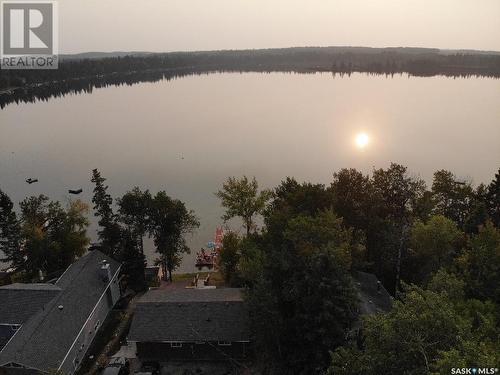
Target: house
373, 297
51, 326
20, 302
190, 324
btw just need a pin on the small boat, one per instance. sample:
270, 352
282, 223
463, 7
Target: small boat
75, 191
31, 180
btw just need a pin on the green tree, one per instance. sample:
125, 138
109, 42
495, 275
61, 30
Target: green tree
133, 210
351, 197
10, 233
109, 232
427, 332
477, 213
241, 197
480, 262
229, 257
424, 206
301, 297
291, 199
133, 261
493, 199
433, 245
397, 192
452, 197
405, 341
53, 237
308, 233
395, 195
169, 222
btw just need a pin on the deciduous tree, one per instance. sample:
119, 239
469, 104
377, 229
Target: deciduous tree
133, 210
241, 197
53, 237
433, 245
169, 222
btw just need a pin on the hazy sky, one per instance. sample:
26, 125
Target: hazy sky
173, 25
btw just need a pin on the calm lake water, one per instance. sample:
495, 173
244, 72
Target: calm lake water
186, 136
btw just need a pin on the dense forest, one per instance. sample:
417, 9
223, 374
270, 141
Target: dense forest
436, 250
83, 74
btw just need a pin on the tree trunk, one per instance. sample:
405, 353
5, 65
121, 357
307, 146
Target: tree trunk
248, 225
398, 261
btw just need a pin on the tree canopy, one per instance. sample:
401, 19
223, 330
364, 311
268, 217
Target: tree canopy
169, 222
241, 197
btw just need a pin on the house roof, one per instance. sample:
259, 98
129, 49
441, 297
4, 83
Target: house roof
193, 295
190, 315
21, 301
43, 340
373, 296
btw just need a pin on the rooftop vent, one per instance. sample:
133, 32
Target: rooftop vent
105, 271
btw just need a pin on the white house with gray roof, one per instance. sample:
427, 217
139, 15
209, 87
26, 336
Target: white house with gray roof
51, 326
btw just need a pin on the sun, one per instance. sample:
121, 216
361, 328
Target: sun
362, 140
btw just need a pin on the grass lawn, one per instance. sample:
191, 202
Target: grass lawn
215, 277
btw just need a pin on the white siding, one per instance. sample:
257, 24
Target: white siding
77, 353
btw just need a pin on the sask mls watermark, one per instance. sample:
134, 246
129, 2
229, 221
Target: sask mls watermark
29, 37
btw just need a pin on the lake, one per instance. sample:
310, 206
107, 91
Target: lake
188, 135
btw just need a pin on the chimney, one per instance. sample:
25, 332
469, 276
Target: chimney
105, 272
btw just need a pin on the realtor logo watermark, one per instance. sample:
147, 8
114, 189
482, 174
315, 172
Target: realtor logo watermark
29, 34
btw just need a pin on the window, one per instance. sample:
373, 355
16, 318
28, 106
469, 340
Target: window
224, 343
176, 345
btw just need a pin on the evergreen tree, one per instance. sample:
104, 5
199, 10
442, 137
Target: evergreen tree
493, 200
10, 233
109, 231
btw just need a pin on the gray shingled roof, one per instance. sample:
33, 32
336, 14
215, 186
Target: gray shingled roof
373, 299
43, 341
193, 295
190, 315
19, 302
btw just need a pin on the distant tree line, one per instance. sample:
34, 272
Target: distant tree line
437, 251
83, 75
